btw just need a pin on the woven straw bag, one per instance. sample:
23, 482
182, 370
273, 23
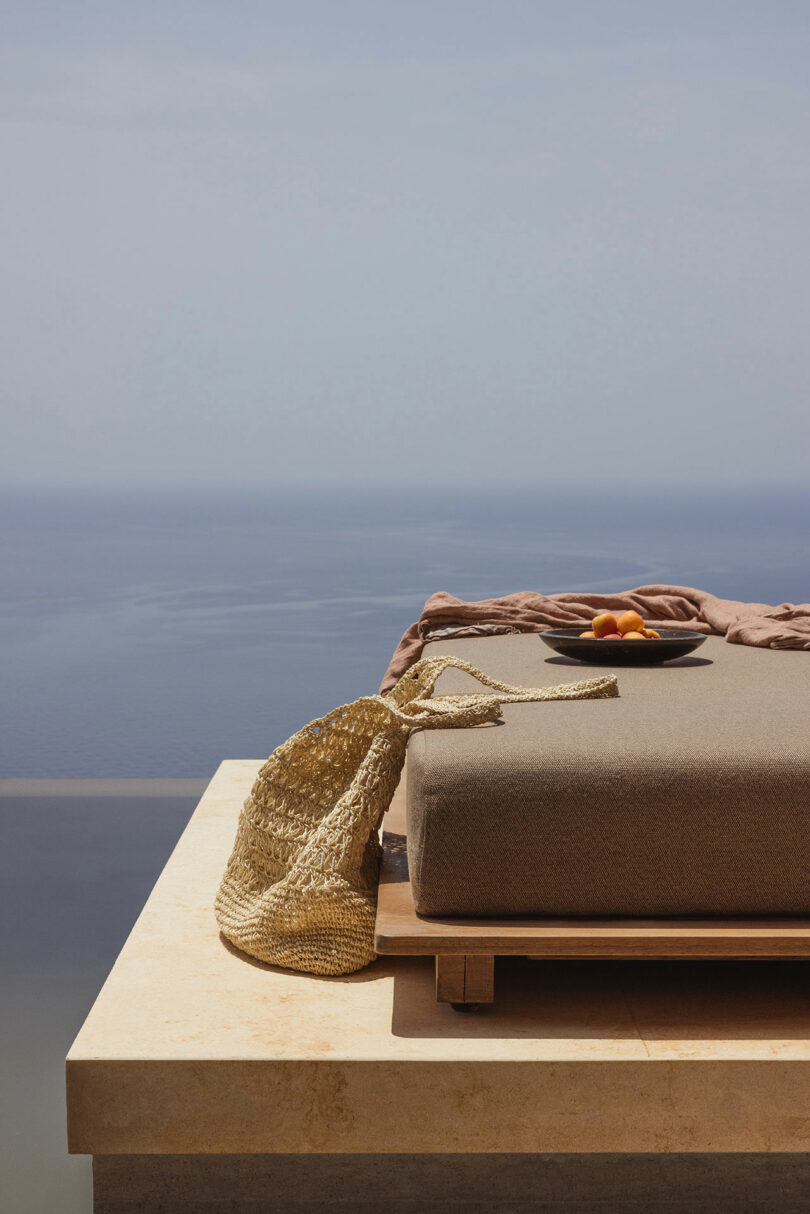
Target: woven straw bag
300, 888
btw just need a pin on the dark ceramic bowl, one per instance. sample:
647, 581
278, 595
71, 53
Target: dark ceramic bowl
674, 643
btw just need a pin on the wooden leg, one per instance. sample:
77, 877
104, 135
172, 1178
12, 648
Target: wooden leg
465, 979
479, 979
450, 979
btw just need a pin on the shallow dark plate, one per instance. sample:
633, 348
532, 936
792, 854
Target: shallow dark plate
674, 643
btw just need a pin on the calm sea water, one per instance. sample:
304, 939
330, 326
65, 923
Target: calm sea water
149, 636
145, 636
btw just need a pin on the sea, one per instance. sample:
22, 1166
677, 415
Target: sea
154, 634
150, 635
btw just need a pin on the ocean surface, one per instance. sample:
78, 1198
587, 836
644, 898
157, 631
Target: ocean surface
154, 635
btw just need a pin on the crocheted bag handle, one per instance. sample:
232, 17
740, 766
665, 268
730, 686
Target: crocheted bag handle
413, 693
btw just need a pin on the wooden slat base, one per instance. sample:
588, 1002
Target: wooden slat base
465, 948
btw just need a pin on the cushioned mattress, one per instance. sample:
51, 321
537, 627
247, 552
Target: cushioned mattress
689, 794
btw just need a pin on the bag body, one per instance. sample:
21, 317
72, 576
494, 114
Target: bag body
300, 887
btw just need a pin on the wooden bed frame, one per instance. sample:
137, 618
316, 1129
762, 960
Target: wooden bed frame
465, 949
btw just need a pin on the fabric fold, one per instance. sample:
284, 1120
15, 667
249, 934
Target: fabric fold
786, 626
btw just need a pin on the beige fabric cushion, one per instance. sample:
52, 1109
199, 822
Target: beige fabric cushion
690, 794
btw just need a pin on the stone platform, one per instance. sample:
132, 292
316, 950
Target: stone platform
192, 1050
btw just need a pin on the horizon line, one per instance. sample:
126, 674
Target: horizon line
428, 486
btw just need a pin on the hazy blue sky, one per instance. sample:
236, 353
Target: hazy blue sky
268, 241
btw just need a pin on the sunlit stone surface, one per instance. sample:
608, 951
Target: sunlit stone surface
192, 1048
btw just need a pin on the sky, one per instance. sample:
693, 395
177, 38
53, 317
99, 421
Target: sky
553, 242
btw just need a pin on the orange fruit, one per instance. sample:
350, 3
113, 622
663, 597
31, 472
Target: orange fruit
604, 624
630, 621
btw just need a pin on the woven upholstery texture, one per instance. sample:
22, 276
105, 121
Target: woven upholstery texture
690, 795
300, 887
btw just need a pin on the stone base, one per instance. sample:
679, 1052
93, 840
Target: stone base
452, 1184
203, 1081
195, 1049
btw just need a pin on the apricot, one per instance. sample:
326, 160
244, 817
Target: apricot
651, 634
604, 624
633, 636
588, 634
611, 636
630, 621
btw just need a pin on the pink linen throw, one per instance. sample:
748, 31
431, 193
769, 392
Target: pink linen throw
443, 616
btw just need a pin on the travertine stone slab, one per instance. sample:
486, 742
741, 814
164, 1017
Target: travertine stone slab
192, 1048
438, 1184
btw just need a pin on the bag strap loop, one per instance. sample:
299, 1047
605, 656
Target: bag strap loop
414, 699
